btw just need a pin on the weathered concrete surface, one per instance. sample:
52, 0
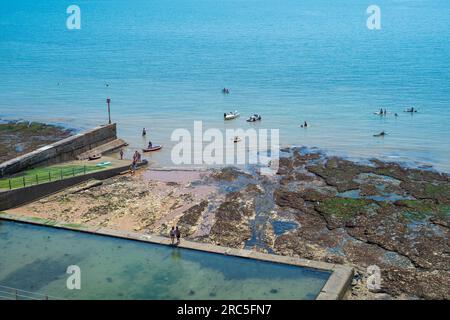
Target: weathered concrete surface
60, 151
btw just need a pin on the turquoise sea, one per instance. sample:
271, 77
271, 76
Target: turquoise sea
289, 60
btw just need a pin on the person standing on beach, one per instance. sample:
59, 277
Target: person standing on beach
172, 235
121, 154
136, 157
178, 235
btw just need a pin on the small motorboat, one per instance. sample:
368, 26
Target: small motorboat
156, 147
231, 115
253, 118
236, 139
95, 157
411, 110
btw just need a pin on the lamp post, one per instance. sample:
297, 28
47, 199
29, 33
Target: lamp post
108, 101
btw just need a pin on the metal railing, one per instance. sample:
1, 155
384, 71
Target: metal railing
51, 175
8, 293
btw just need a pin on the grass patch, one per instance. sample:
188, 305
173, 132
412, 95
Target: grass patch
46, 174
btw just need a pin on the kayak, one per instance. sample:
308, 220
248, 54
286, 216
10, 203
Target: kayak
103, 164
380, 134
153, 148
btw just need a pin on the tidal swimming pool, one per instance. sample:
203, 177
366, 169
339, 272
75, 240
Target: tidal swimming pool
35, 258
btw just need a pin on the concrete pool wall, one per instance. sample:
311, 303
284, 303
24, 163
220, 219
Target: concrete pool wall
334, 289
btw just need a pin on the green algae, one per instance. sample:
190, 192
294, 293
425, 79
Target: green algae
417, 210
345, 208
436, 191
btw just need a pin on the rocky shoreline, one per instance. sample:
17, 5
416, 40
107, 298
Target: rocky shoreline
20, 137
316, 207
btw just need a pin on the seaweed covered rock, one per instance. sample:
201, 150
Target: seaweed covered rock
284, 198
339, 212
229, 174
339, 173
232, 227
189, 220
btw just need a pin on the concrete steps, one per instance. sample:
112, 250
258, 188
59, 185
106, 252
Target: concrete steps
102, 149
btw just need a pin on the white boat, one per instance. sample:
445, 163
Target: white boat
231, 115
253, 118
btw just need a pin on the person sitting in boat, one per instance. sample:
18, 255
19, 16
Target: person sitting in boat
150, 145
236, 139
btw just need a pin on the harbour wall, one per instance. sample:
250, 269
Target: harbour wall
63, 150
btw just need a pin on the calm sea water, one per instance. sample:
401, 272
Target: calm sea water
167, 61
35, 258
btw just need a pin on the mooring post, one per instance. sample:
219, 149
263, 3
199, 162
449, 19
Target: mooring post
108, 101
61, 175
49, 176
37, 179
23, 180
73, 172
10, 184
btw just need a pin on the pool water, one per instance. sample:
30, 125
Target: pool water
35, 258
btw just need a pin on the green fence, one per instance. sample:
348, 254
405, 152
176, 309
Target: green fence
43, 175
